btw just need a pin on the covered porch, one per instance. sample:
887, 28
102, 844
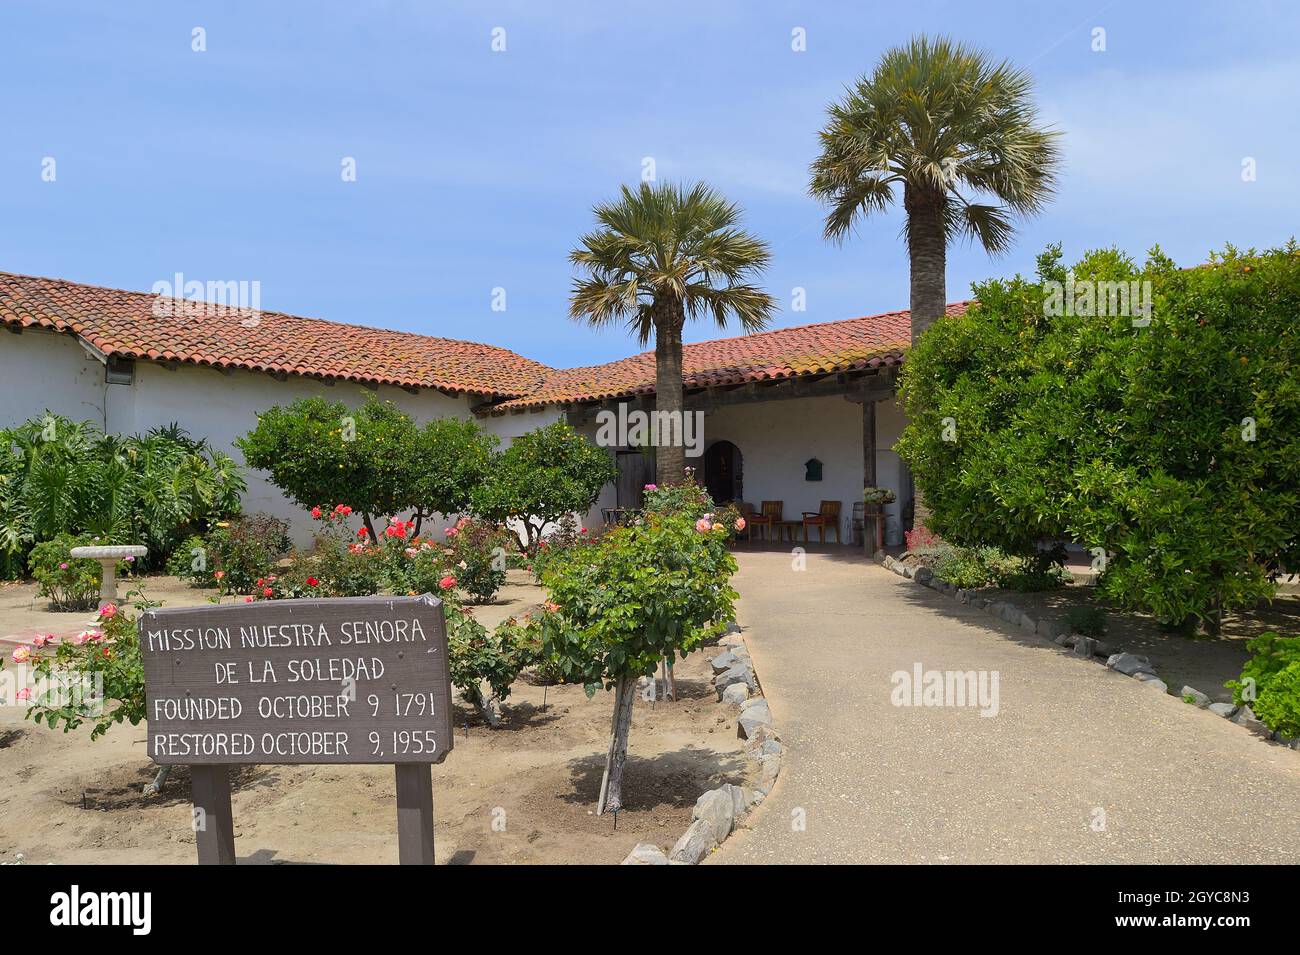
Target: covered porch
809, 442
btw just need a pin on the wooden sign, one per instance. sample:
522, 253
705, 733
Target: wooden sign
343, 680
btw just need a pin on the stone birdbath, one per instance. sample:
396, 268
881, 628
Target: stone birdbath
108, 557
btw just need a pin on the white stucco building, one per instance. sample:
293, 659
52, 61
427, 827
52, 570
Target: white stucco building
771, 402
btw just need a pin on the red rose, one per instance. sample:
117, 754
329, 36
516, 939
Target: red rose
267, 592
312, 582
315, 512
447, 582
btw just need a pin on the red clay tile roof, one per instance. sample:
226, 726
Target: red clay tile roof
124, 324
128, 324
852, 344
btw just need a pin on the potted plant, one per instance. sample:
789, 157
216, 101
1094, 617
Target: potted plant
874, 500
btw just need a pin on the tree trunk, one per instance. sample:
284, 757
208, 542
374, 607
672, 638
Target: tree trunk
670, 458
611, 785
365, 519
927, 253
155, 787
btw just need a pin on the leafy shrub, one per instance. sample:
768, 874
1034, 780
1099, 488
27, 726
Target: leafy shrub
57, 476
686, 497
641, 593
557, 545
96, 676
485, 665
691, 500
1172, 446
1270, 682
234, 554
971, 567
1087, 621
542, 476
189, 561
71, 583
966, 567
1040, 571
339, 563
374, 456
478, 557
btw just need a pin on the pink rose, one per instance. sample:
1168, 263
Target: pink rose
22, 654
108, 611
447, 582
651, 487
740, 523
25, 693
703, 526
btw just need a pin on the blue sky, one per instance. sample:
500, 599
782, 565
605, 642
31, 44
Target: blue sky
478, 169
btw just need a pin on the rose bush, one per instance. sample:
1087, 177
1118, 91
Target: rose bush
653, 589
71, 583
95, 677
478, 555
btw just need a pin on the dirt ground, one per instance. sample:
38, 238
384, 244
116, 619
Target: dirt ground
1204, 663
523, 793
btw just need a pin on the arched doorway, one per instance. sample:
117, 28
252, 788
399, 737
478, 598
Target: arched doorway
722, 472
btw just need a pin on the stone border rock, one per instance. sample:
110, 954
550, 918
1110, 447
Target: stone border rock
1087, 648
719, 811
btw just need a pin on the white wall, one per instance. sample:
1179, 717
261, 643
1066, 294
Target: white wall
41, 369
222, 408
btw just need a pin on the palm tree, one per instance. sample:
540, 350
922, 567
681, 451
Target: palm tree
949, 125
663, 254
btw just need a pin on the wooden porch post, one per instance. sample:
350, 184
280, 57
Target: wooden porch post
868, 443
868, 470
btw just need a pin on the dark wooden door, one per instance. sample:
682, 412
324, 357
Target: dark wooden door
635, 471
722, 472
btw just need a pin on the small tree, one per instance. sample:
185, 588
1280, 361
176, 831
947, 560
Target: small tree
641, 593
542, 476
323, 452
451, 457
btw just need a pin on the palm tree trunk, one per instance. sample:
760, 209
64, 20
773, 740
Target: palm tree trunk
670, 457
927, 252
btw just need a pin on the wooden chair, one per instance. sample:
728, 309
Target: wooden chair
770, 516
747, 512
828, 515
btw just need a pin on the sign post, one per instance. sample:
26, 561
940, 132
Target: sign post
345, 680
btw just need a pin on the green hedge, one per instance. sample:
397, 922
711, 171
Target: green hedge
1171, 446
